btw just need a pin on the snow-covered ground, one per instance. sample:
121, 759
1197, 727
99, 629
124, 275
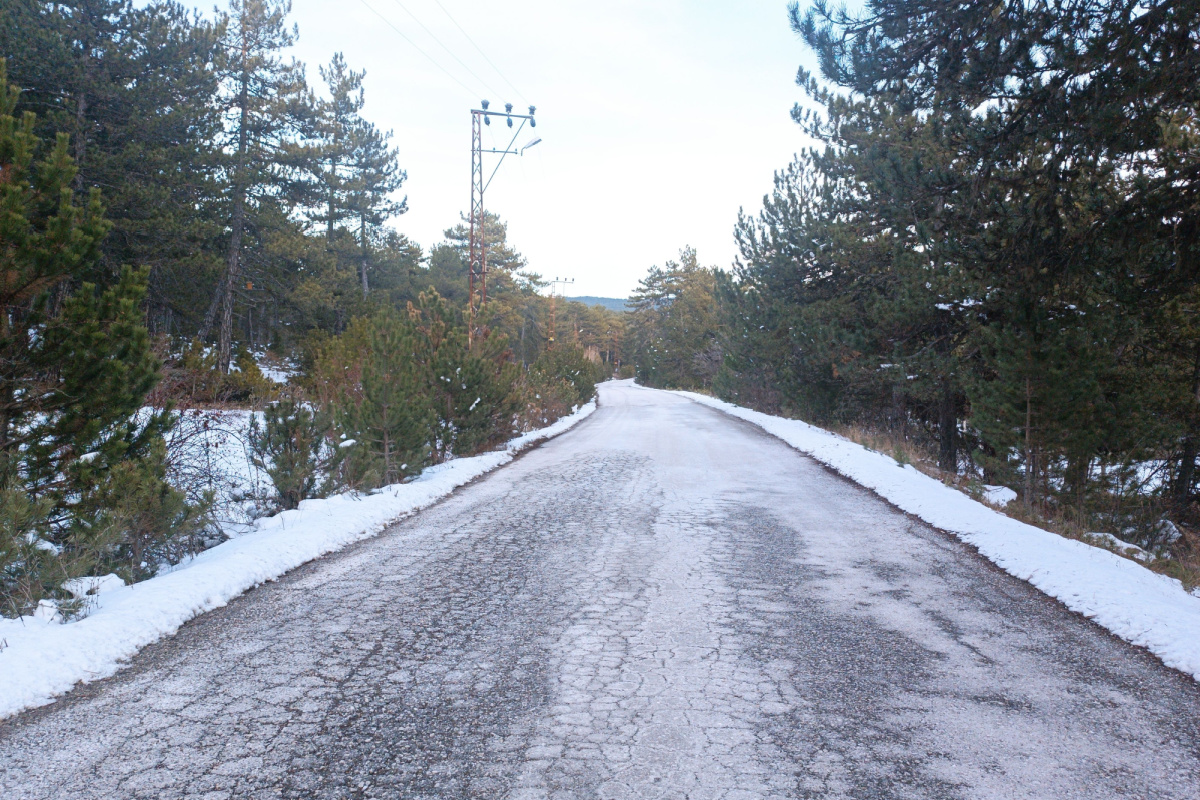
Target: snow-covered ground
1140, 606
41, 658
208, 450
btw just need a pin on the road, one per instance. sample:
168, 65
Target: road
663, 603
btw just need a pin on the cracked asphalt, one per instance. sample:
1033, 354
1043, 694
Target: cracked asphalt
663, 603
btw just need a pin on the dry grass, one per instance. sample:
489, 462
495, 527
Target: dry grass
1180, 561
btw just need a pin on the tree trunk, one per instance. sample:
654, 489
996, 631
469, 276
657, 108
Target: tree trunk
210, 316
948, 430
81, 107
388, 460
330, 200
80, 138
363, 266
1185, 475
234, 263
1029, 465
232, 273
7, 404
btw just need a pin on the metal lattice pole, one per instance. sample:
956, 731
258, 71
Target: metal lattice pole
553, 298
477, 266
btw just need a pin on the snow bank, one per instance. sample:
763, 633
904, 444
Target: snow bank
41, 659
1140, 606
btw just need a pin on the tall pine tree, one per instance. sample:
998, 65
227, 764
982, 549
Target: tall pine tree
264, 95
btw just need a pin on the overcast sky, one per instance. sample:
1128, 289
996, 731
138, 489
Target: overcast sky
659, 118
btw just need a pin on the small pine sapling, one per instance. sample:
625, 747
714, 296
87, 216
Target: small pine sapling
390, 419
291, 446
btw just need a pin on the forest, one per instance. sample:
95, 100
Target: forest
186, 210
986, 264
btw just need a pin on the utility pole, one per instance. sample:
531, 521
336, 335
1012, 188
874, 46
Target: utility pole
477, 266
553, 298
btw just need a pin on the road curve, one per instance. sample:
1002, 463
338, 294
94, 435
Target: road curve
663, 603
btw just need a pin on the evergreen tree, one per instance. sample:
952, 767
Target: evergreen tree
1067, 123
391, 419
374, 176
135, 87
471, 389
501, 255
72, 438
345, 171
265, 96
675, 325
337, 120
291, 447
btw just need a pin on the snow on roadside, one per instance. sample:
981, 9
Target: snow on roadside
1140, 606
40, 659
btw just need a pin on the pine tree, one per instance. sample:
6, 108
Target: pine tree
48, 240
291, 447
471, 389
136, 89
338, 118
374, 176
1051, 132
73, 438
318, 157
265, 96
675, 326
391, 419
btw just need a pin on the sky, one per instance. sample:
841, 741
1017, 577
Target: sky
659, 119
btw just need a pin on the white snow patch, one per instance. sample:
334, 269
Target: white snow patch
46, 612
1142, 607
275, 375
1169, 532
44, 659
998, 495
1123, 547
89, 586
209, 451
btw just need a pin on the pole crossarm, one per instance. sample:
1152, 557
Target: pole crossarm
484, 113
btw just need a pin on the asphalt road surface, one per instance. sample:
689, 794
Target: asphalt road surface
663, 603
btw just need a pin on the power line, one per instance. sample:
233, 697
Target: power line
478, 48
444, 47
432, 60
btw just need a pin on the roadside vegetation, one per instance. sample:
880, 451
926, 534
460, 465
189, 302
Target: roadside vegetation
987, 267
196, 247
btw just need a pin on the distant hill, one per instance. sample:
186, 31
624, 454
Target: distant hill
611, 303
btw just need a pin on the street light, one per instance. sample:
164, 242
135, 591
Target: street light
532, 142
